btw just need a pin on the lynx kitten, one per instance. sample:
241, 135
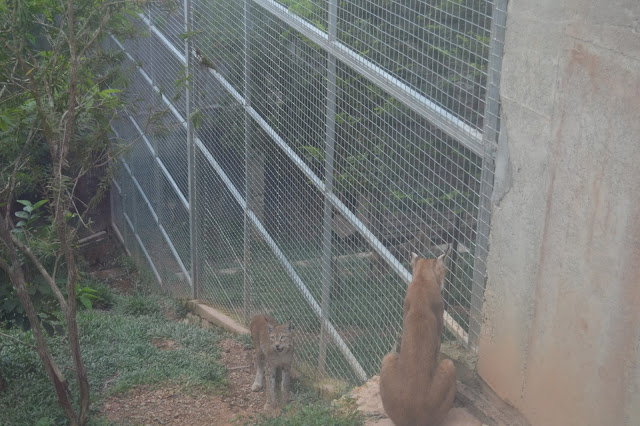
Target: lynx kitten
274, 349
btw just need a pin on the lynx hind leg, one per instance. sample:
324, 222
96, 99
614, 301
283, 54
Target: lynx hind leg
259, 361
443, 389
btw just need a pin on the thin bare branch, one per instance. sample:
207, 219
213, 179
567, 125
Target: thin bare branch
55, 266
96, 33
6, 336
48, 278
4, 86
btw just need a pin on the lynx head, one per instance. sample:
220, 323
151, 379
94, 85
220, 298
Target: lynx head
280, 337
431, 268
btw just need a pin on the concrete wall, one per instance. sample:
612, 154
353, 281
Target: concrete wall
561, 332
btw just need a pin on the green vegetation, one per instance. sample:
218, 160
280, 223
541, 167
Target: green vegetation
440, 48
246, 340
119, 354
59, 92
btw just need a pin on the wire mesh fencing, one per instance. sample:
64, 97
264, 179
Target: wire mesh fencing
286, 157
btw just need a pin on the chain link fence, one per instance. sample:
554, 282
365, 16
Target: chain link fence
286, 157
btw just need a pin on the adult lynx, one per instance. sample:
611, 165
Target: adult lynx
414, 388
273, 351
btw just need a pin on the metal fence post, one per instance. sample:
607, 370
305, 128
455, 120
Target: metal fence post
247, 162
191, 164
491, 126
327, 269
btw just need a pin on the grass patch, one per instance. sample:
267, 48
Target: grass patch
118, 354
246, 340
138, 305
320, 414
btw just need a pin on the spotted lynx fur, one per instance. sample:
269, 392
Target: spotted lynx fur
415, 388
273, 345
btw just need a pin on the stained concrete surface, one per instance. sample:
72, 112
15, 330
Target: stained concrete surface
561, 332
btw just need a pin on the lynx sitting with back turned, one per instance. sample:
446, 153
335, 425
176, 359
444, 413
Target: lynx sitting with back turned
273, 345
415, 388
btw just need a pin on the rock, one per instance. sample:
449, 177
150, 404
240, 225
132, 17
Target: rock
459, 416
368, 402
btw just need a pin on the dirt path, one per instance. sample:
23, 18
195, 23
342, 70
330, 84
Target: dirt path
180, 405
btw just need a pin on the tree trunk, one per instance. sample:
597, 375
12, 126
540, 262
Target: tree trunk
81, 373
54, 373
74, 343
19, 283
70, 310
59, 160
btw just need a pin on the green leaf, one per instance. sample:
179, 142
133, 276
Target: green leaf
197, 118
314, 152
23, 215
109, 92
5, 122
189, 34
44, 421
24, 202
89, 292
39, 204
86, 302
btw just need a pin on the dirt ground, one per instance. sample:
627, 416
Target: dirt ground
179, 405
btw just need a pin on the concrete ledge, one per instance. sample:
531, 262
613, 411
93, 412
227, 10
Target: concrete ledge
215, 317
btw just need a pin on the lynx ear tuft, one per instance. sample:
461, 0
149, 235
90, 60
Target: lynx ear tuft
414, 259
444, 255
288, 325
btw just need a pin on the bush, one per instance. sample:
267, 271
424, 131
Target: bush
104, 297
11, 311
